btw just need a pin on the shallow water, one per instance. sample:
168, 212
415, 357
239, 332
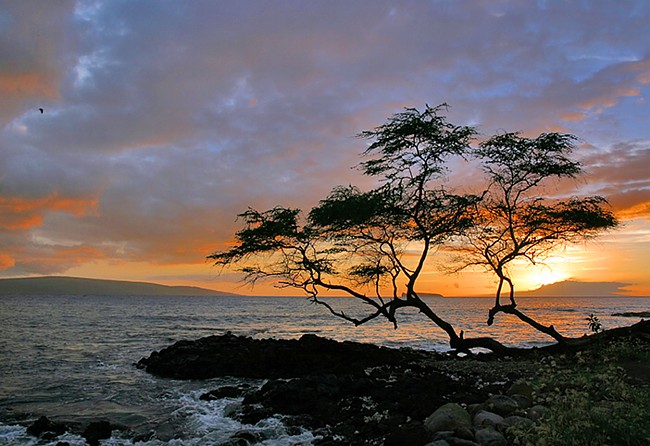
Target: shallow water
71, 357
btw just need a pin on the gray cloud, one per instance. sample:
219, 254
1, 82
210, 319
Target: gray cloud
164, 119
33, 39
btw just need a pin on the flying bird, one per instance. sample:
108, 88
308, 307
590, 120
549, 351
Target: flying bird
41, 110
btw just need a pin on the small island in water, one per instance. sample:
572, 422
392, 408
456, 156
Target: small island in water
59, 285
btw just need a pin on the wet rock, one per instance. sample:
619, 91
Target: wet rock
484, 418
243, 438
97, 430
230, 355
490, 437
450, 416
225, 392
464, 433
232, 410
44, 427
250, 413
317, 396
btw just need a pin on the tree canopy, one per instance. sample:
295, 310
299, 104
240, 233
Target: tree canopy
355, 242
516, 221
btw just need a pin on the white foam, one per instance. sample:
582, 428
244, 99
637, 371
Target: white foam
208, 424
17, 435
13, 434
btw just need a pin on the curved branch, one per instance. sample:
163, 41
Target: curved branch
511, 309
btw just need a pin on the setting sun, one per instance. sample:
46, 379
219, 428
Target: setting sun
546, 276
552, 271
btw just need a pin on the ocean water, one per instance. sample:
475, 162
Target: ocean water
71, 358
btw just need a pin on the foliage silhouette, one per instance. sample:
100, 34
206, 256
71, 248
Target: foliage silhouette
375, 245
515, 221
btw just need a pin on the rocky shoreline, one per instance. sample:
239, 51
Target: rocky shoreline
357, 394
349, 393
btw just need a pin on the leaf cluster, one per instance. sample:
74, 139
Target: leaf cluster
263, 232
517, 163
413, 146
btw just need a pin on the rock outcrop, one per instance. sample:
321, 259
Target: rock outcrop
230, 355
347, 393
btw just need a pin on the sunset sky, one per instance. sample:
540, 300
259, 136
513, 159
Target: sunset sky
165, 119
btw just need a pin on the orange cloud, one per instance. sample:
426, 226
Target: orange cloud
573, 116
6, 261
31, 83
631, 92
19, 221
24, 213
643, 68
636, 210
61, 258
82, 253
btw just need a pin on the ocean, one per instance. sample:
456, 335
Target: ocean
71, 358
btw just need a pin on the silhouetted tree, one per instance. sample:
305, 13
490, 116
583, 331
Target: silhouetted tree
355, 242
516, 220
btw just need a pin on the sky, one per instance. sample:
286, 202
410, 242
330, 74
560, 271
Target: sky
162, 120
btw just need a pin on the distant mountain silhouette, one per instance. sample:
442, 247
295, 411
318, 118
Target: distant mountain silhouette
573, 288
79, 286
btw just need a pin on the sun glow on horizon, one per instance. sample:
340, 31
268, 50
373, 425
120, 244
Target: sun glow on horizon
540, 275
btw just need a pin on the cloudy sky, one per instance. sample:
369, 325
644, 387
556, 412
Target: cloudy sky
164, 119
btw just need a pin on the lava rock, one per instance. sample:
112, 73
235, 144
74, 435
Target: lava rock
490, 437
484, 419
225, 392
44, 426
97, 430
448, 417
230, 355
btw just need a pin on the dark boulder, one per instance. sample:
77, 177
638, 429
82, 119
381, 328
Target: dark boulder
230, 355
46, 428
226, 392
356, 407
97, 430
315, 396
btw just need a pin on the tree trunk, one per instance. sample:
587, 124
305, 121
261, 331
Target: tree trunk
511, 309
459, 342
